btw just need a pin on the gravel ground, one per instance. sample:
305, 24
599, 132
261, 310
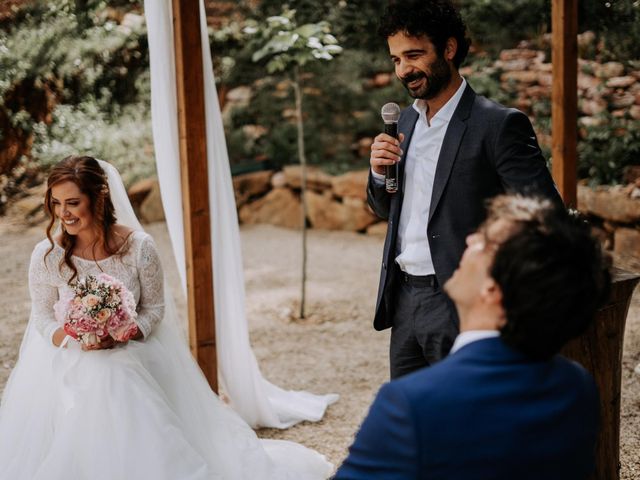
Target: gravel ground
334, 350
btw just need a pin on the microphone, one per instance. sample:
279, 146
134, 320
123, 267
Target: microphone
390, 114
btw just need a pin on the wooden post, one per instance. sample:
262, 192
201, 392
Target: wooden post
564, 97
195, 188
599, 350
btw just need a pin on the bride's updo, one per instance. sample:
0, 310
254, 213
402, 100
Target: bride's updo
91, 179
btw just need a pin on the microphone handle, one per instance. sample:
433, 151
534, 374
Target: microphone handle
391, 171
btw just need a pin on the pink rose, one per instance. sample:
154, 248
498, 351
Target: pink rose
124, 333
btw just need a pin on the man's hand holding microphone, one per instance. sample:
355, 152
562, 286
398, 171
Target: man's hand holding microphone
385, 149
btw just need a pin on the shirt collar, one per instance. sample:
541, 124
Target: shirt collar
446, 112
470, 336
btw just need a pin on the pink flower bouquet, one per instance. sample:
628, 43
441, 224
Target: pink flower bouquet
96, 308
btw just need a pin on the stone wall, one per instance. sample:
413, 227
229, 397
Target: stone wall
615, 215
602, 87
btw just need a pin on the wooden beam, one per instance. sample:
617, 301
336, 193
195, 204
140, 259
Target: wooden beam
564, 98
195, 188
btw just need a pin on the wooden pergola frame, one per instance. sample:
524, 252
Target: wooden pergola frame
195, 187
193, 161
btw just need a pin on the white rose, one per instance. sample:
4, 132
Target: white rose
103, 315
90, 301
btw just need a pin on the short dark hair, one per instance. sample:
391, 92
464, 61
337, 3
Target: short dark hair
437, 19
553, 276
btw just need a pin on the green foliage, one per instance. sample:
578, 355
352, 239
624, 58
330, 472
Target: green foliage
617, 24
605, 150
354, 22
498, 24
69, 56
285, 45
76, 79
85, 129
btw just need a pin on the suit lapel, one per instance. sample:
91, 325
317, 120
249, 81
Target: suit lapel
450, 147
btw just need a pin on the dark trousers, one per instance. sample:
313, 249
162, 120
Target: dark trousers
425, 324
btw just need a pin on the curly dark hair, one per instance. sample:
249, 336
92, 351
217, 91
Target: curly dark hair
88, 175
553, 276
437, 19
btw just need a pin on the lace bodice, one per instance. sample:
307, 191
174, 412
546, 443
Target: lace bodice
138, 268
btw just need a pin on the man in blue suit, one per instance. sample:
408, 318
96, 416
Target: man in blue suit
502, 405
456, 150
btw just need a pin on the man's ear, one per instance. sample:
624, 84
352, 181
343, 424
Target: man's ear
492, 296
450, 49
491, 292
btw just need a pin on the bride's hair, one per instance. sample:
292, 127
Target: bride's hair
91, 179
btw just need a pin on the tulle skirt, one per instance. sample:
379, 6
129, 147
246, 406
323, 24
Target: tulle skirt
140, 411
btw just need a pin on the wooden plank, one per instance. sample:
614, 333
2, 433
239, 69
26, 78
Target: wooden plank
195, 188
564, 97
599, 350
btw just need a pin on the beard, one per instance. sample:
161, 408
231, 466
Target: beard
435, 81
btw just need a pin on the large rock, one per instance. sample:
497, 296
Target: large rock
610, 69
545, 78
250, 185
364, 147
512, 65
609, 203
139, 191
351, 184
151, 208
588, 82
536, 92
509, 55
622, 100
626, 241
328, 214
520, 76
316, 179
378, 229
279, 207
621, 82
592, 107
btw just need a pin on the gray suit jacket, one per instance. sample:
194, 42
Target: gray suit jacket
488, 149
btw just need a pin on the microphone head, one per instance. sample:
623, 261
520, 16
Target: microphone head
390, 112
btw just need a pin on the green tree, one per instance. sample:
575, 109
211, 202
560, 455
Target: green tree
287, 48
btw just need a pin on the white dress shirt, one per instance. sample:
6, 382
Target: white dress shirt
470, 336
414, 255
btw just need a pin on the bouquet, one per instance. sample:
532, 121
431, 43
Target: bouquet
96, 308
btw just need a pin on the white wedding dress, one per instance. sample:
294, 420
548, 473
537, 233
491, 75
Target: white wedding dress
139, 411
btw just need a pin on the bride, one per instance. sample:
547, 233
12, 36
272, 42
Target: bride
135, 410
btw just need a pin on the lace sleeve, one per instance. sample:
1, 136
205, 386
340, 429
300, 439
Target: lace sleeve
151, 304
43, 293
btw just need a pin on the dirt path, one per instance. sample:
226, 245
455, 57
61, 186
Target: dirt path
335, 350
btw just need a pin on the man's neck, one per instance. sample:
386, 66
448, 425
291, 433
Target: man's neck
440, 100
480, 319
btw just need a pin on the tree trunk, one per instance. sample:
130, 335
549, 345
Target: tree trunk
303, 188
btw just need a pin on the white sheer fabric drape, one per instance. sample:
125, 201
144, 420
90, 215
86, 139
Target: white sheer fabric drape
258, 402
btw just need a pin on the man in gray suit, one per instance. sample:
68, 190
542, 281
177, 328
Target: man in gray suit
455, 150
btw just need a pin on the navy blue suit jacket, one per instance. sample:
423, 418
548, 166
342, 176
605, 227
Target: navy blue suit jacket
488, 149
485, 412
